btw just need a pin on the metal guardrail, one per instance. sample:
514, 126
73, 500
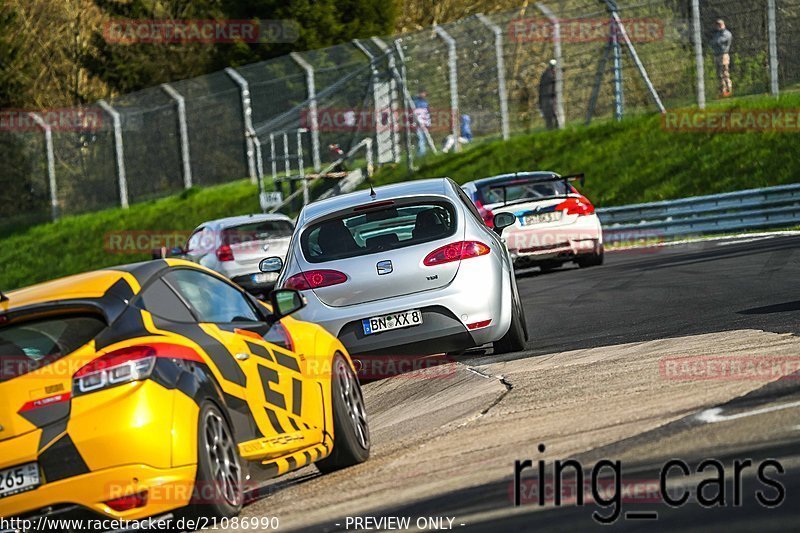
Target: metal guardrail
769, 207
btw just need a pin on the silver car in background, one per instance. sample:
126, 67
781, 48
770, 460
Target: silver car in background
406, 269
234, 247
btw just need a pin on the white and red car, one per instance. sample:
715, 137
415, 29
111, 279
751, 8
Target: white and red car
555, 223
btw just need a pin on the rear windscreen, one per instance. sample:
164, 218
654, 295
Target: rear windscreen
32, 344
257, 231
501, 193
377, 230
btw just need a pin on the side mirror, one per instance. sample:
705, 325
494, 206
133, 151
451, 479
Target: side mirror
285, 302
271, 264
502, 221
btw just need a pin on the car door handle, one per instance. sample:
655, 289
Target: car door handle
242, 356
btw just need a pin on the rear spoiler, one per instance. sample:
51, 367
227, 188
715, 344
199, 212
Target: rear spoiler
574, 177
581, 178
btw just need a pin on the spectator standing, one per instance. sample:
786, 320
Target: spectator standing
547, 96
422, 120
721, 45
465, 135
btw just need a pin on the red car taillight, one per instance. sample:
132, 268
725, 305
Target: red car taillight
486, 215
126, 503
314, 279
456, 252
126, 365
224, 253
576, 206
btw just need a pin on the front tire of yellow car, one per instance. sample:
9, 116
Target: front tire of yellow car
219, 486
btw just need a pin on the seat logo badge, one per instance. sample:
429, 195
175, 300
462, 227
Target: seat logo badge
384, 267
265, 247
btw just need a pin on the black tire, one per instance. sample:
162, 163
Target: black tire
515, 338
219, 485
591, 260
351, 442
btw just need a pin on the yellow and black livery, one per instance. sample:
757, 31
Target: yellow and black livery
137, 390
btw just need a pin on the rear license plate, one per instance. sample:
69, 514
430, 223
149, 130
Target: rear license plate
403, 319
19, 479
541, 218
265, 277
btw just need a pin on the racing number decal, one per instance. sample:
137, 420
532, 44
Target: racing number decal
270, 376
277, 391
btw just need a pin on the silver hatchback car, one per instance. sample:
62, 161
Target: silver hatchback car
406, 269
234, 247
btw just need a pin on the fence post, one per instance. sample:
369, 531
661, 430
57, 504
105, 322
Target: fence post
638, 62
301, 166
393, 90
408, 113
560, 117
119, 152
273, 158
259, 159
501, 73
183, 133
698, 55
312, 107
616, 54
373, 72
773, 48
51, 162
247, 116
453, 69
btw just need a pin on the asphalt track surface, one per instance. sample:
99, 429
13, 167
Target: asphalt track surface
639, 296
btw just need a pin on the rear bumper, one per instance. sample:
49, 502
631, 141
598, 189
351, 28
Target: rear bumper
565, 242
83, 495
438, 325
120, 441
565, 252
480, 291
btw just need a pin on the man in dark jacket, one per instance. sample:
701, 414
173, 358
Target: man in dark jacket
547, 96
721, 45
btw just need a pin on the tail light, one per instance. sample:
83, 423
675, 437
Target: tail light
224, 253
486, 215
314, 279
576, 206
126, 503
126, 365
455, 252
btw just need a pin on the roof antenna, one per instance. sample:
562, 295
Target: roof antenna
372, 192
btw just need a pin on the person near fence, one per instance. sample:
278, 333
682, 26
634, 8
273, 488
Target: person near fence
547, 96
721, 45
464, 137
422, 120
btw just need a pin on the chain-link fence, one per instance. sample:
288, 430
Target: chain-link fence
484, 77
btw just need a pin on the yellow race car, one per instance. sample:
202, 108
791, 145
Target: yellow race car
138, 390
